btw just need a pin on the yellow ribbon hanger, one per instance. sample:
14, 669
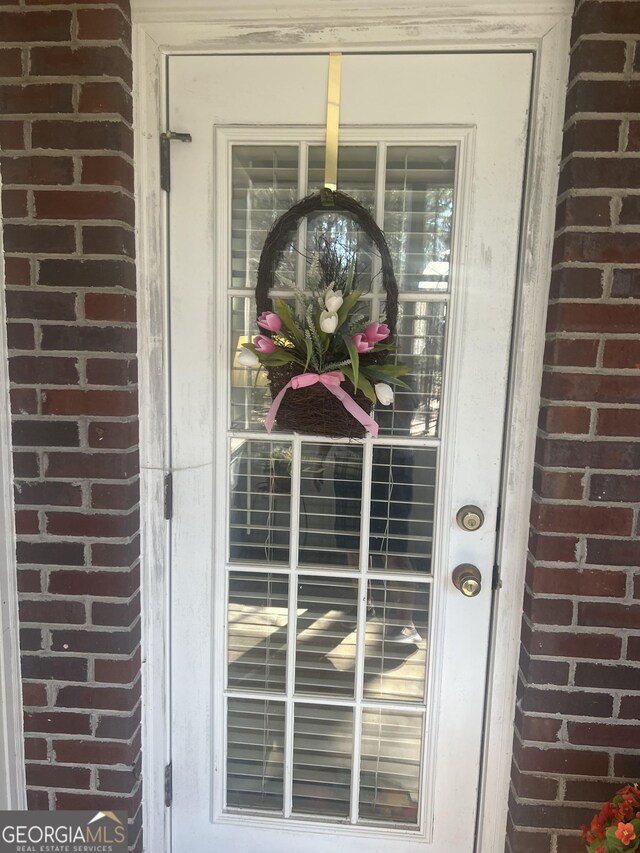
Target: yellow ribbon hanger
333, 122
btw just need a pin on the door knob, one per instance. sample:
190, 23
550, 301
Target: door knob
467, 579
470, 517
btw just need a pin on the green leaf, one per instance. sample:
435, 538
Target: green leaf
363, 384
348, 304
309, 344
376, 374
286, 315
354, 356
280, 356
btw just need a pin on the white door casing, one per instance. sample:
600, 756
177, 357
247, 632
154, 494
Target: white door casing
463, 102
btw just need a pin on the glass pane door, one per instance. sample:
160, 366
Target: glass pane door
330, 543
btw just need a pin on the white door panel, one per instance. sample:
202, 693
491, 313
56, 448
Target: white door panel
295, 723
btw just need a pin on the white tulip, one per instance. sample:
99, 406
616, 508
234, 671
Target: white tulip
247, 358
333, 300
329, 322
384, 393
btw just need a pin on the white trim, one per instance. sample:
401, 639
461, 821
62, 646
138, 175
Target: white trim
541, 27
12, 771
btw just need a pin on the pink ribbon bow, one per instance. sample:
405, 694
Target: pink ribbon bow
331, 382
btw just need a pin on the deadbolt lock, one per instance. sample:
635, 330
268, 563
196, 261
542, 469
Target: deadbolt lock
470, 517
467, 579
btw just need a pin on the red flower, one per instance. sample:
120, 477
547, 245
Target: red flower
601, 850
626, 833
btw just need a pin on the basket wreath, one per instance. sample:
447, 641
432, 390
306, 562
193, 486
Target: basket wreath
327, 364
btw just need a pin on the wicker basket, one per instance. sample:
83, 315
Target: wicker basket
314, 410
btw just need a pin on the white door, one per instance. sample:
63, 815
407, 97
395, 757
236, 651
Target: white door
328, 678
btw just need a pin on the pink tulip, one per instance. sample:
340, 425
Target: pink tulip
362, 343
376, 332
270, 321
264, 344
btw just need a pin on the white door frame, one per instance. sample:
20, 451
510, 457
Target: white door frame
165, 27
12, 770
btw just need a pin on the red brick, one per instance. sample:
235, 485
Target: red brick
45, 433
633, 139
58, 722
93, 524
577, 353
597, 55
25, 465
108, 97
630, 210
11, 135
556, 549
111, 435
52, 612
51, 553
71, 401
54, 776
31, 640
528, 842
47, 494
616, 677
108, 240
103, 554
115, 496
611, 17
93, 752
626, 766
93, 802
89, 339
116, 614
94, 61
612, 552
576, 645
534, 787
36, 98
85, 204
583, 519
573, 703
547, 815
110, 306
97, 582
584, 210
622, 352
549, 611
30, 169
37, 800
120, 781
70, 272
38, 305
50, 667
14, 204
49, 239
83, 135
601, 614
594, 317
119, 728
32, 26
558, 484
34, 695
576, 282
604, 734
100, 642
586, 582
540, 729
593, 454
27, 522
99, 466
111, 371
570, 844
20, 336
112, 171
569, 762
630, 708
591, 135
17, 271
11, 62
574, 420
105, 698
598, 172
118, 671
618, 422
599, 388
605, 96
34, 370
29, 580
612, 487
101, 24
626, 282
35, 749
590, 792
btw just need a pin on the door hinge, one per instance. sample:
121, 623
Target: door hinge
168, 784
496, 583
168, 496
165, 156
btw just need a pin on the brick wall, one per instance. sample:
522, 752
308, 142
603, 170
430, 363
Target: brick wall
67, 200
578, 715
